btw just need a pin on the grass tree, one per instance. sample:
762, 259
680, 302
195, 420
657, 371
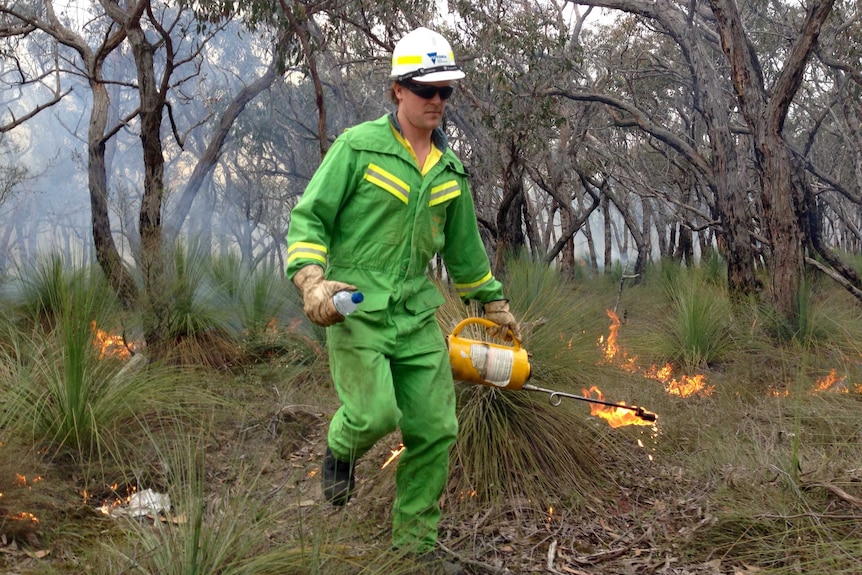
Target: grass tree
265, 310
697, 331
514, 446
60, 392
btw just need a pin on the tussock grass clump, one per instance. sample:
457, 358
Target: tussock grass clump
683, 317
807, 327
713, 269
264, 309
225, 313
64, 399
198, 330
45, 290
513, 445
697, 332
58, 391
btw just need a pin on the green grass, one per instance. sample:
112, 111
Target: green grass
698, 329
59, 392
202, 534
761, 474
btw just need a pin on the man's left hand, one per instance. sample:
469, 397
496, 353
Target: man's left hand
498, 312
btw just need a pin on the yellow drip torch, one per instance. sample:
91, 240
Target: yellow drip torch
507, 367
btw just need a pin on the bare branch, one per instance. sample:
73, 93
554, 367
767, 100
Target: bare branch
639, 118
18, 121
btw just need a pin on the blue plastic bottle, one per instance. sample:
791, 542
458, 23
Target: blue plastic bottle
346, 301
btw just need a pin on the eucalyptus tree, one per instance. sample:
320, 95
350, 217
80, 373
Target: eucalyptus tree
659, 72
522, 148
166, 45
829, 104
765, 78
765, 107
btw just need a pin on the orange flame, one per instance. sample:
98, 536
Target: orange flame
108, 505
110, 345
684, 386
394, 455
832, 383
611, 347
615, 416
22, 481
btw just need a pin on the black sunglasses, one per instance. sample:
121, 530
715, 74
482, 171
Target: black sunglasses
426, 91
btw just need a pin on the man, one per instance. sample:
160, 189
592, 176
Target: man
388, 196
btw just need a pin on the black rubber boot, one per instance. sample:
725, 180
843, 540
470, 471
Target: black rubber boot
338, 481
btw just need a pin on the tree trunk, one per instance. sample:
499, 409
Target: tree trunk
606, 217
781, 210
567, 254
510, 234
97, 182
156, 305
591, 243
730, 198
765, 112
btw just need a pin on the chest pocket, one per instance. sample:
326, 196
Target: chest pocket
380, 207
389, 182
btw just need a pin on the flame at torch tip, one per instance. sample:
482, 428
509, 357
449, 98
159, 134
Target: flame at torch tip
615, 416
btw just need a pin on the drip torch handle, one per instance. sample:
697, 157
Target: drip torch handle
487, 323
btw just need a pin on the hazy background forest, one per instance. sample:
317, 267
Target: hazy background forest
685, 176
595, 132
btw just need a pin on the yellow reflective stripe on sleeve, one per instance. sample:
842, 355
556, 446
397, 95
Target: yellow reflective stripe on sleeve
464, 289
380, 177
444, 192
308, 251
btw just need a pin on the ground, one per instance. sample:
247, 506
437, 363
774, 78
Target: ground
647, 521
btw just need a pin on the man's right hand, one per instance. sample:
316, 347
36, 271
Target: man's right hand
317, 295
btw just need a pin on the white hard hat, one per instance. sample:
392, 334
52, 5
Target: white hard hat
424, 56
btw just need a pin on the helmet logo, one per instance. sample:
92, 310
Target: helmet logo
433, 57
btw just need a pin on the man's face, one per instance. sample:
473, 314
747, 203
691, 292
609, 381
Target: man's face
422, 104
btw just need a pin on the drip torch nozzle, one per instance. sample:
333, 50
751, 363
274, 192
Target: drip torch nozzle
645, 415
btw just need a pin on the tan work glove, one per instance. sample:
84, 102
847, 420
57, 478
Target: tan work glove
498, 312
317, 295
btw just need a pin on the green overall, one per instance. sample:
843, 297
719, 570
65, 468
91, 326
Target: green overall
371, 218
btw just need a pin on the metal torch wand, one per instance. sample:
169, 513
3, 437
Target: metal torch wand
555, 399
